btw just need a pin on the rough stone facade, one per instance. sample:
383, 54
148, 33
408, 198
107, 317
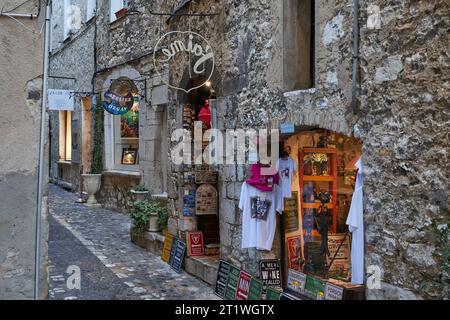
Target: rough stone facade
21, 56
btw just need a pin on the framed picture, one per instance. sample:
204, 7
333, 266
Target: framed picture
129, 156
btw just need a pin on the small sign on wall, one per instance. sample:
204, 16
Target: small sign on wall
60, 100
195, 244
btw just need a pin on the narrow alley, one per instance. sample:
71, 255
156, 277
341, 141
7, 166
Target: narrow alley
112, 267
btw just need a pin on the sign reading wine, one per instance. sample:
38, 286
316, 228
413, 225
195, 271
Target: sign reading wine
270, 271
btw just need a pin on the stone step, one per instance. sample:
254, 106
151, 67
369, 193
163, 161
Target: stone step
204, 267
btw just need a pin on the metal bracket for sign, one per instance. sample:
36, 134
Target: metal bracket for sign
80, 94
141, 85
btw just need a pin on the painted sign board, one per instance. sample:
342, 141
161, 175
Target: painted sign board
272, 294
333, 292
60, 99
232, 282
294, 252
314, 287
296, 281
195, 245
256, 289
168, 239
222, 278
243, 286
290, 213
270, 273
178, 256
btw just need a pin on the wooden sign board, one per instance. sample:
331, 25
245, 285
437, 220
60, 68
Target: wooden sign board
314, 286
206, 176
195, 245
168, 239
178, 257
294, 248
270, 273
290, 213
243, 286
341, 264
256, 289
222, 278
296, 281
232, 282
333, 292
272, 294
206, 200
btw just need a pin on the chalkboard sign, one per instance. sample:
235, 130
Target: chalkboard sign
168, 239
256, 289
272, 294
232, 281
314, 287
243, 286
290, 213
180, 250
270, 272
222, 278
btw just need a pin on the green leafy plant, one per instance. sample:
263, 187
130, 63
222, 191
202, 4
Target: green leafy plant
97, 152
141, 211
141, 188
163, 217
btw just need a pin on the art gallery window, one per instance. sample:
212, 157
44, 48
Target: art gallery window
65, 135
319, 170
298, 44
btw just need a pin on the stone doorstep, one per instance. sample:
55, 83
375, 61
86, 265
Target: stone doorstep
204, 268
150, 241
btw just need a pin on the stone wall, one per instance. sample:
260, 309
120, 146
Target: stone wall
21, 56
404, 122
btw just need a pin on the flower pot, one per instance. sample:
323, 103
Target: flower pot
140, 195
121, 13
92, 184
153, 225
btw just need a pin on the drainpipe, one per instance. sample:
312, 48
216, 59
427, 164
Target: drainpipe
41, 154
19, 15
355, 35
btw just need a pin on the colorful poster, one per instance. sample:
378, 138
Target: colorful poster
243, 286
294, 252
296, 281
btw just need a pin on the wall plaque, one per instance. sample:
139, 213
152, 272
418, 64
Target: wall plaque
222, 278
243, 285
270, 272
178, 256
296, 280
168, 239
290, 213
206, 200
232, 281
272, 294
314, 287
195, 245
294, 252
333, 292
256, 289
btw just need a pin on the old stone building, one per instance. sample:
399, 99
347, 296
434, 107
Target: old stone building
21, 57
370, 80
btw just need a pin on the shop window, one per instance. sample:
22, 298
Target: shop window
126, 139
91, 7
65, 135
317, 241
298, 44
116, 6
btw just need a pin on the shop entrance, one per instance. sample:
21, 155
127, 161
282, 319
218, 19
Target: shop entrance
315, 235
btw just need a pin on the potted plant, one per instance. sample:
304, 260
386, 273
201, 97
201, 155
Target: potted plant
92, 180
147, 216
163, 217
140, 192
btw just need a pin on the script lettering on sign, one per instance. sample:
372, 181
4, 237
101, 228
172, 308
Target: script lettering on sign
270, 272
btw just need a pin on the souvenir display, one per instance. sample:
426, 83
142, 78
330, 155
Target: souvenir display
189, 202
206, 200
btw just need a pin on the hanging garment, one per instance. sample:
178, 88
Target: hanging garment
286, 169
356, 227
259, 216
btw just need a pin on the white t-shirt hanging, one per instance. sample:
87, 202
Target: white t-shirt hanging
286, 169
356, 227
259, 216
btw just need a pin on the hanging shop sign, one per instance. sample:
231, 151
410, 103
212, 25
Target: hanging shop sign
296, 281
195, 246
222, 278
255, 290
188, 46
206, 200
270, 272
166, 247
60, 99
333, 292
272, 294
178, 256
243, 286
117, 104
294, 252
290, 213
232, 282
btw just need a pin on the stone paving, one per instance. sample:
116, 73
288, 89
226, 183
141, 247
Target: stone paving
112, 267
